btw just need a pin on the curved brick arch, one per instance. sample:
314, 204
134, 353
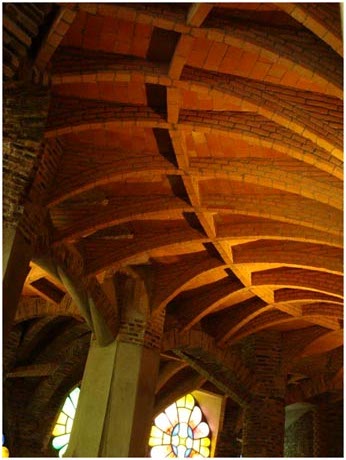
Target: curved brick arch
328, 73
288, 295
254, 97
104, 67
206, 300
272, 44
101, 115
258, 172
290, 253
71, 185
128, 210
171, 280
200, 350
262, 132
292, 210
299, 310
307, 390
120, 253
315, 20
34, 307
295, 277
251, 227
248, 53
268, 319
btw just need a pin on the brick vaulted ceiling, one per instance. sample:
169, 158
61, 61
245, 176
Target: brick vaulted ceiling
204, 140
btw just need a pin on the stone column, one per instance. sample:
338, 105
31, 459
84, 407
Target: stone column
328, 429
25, 108
264, 416
115, 409
228, 444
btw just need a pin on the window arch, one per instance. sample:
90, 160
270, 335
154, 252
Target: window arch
63, 426
180, 431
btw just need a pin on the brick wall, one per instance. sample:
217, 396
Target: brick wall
228, 444
264, 416
25, 109
328, 429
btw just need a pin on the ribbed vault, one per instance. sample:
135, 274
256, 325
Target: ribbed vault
205, 141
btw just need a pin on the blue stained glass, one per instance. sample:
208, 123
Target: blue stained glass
189, 432
176, 429
175, 450
188, 452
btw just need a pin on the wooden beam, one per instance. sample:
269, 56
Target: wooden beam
197, 14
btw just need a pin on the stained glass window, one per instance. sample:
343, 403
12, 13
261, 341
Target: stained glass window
5, 451
180, 431
63, 426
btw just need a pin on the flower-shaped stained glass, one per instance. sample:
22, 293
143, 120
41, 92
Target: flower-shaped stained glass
63, 426
180, 431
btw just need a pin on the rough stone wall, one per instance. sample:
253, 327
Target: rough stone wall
299, 437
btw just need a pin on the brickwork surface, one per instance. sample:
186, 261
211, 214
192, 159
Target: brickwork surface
201, 147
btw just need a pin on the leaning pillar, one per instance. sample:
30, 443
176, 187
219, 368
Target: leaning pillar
115, 408
25, 109
264, 416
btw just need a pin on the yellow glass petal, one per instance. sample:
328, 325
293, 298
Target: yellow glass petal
58, 430
155, 442
182, 441
184, 414
204, 451
156, 432
196, 417
163, 422
205, 442
190, 401
5, 452
62, 418
181, 402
